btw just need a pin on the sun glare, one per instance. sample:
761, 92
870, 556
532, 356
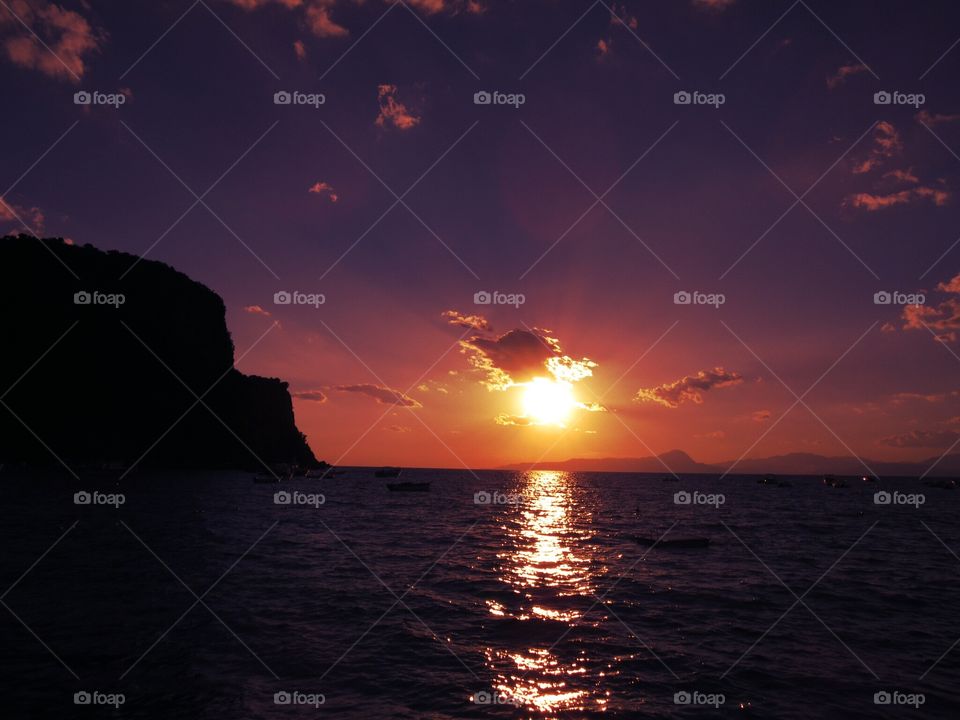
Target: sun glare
548, 402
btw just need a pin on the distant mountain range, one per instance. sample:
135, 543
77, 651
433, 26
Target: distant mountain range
791, 464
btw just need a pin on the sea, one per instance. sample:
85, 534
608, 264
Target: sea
494, 594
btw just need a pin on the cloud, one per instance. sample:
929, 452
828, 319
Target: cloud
392, 111
30, 217
715, 435
517, 420
383, 395
906, 176
922, 439
468, 322
518, 356
842, 73
886, 144
761, 416
930, 119
300, 49
943, 319
871, 202
430, 7
397, 428
71, 39
321, 188
317, 396
256, 310
713, 5
319, 20
689, 387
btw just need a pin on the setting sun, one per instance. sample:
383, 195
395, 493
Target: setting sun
548, 402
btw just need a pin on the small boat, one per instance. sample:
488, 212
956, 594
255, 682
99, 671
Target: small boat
869, 478
387, 472
767, 480
834, 482
942, 483
679, 543
409, 487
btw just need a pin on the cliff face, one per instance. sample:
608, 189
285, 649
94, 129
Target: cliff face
117, 381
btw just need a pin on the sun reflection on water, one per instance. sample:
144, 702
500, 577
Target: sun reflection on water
548, 567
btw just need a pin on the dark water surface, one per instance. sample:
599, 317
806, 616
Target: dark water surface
201, 597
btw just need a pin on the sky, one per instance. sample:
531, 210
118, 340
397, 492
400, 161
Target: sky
777, 164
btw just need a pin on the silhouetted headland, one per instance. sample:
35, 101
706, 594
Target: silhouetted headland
104, 359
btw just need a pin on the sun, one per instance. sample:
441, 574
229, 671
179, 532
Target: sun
548, 402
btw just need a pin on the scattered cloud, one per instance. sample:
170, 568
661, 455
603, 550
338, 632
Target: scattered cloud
316, 14
886, 144
300, 49
905, 176
922, 439
317, 396
932, 119
689, 387
397, 428
66, 38
383, 395
324, 188
713, 5
319, 21
519, 356
942, 319
468, 322
843, 72
871, 202
518, 420
256, 310
31, 217
761, 416
392, 111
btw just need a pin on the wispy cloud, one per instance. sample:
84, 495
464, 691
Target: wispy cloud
70, 37
688, 388
383, 395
